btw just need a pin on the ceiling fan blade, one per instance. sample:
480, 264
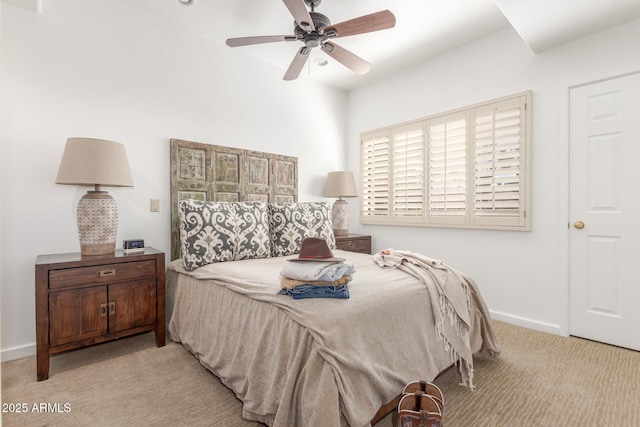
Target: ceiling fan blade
346, 58
297, 64
245, 41
363, 24
298, 9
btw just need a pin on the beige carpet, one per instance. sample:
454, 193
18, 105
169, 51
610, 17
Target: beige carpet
539, 380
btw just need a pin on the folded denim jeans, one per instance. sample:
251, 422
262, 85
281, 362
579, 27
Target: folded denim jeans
315, 291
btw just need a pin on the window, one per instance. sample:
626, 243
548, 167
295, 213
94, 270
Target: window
466, 168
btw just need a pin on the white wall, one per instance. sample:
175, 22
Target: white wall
523, 275
102, 69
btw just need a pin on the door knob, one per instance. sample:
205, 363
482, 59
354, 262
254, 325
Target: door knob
579, 225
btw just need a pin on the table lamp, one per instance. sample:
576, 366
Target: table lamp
340, 184
95, 162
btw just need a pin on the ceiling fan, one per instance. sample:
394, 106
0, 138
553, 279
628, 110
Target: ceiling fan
315, 30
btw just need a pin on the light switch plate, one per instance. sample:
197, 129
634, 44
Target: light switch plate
155, 205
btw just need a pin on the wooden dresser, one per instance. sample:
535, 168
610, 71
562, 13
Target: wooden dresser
354, 243
85, 300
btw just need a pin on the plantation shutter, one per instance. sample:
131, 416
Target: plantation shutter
448, 169
408, 172
376, 166
466, 168
498, 163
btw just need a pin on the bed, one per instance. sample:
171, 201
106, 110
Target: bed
315, 362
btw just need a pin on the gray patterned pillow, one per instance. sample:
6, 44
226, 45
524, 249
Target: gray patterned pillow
290, 223
220, 231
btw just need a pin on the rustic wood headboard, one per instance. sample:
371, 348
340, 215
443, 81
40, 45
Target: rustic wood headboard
225, 174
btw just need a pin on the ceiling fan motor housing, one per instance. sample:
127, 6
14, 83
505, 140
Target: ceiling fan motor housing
313, 38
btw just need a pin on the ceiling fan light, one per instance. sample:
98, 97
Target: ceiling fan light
312, 42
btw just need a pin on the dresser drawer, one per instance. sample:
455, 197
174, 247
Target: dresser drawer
362, 245
106, 273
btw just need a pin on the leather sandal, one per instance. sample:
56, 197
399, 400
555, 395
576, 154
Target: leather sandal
426, 388
419, 410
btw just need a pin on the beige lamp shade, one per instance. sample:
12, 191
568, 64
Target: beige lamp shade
96, 162
340, 184
89, 161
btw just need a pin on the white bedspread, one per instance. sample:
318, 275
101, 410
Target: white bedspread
315, 362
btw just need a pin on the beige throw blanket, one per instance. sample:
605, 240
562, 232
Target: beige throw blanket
449, 292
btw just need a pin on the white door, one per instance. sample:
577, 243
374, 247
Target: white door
604, 132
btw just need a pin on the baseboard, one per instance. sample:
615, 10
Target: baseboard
18, 352
536, 325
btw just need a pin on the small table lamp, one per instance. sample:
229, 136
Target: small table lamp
97, 162
340, 184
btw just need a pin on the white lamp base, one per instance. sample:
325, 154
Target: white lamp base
97, 223
340, 218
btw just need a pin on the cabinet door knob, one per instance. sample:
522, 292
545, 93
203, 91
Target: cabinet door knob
112, 308
103, 310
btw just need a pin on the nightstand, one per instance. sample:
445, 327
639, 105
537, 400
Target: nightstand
86, 300
354, 243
